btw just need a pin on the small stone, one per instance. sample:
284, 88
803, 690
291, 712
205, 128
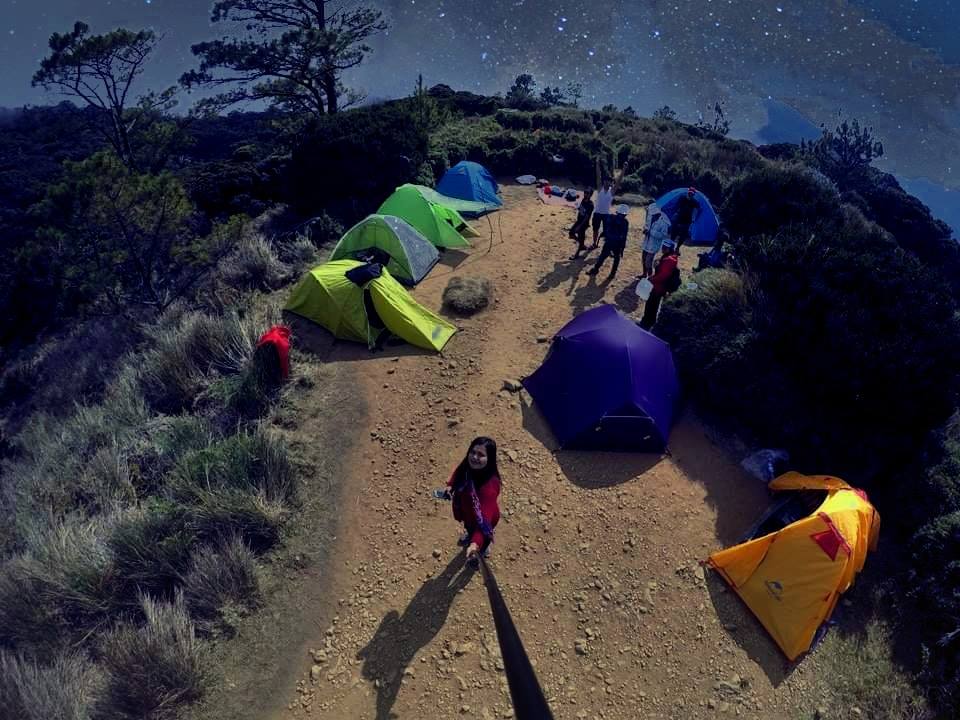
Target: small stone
453, 422
543, 338
464, 709
856, 711
820, 713
580, 645
437, 553
712, 704
315, 672
512, 386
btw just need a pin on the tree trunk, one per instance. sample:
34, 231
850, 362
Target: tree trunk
330, 89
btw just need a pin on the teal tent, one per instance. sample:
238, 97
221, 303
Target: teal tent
391, 241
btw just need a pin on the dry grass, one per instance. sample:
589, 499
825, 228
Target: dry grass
64, 690
154, 669
468, 295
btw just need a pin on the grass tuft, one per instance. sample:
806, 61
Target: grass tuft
468, 295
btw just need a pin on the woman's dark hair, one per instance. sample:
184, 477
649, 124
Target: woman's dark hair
479, 477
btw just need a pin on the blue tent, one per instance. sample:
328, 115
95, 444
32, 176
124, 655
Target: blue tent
470, 181
705, 228
607, 384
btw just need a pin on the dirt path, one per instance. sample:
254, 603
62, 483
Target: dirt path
597, 552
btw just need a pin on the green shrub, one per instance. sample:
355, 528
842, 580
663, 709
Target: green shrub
935, 581
151, 671
151, 547
221, 578
176, 370
163, 441
863, 674
65, 689
252, 462
223, 513
61, 587
764, 201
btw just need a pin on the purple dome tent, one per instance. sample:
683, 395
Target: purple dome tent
607, 384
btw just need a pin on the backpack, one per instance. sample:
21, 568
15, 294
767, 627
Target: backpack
673, 282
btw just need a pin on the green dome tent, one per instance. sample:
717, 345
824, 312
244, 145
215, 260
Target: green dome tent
440, 225
411, 255
360, 308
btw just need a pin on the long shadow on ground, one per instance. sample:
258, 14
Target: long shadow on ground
745, 630
580, 466
400, 637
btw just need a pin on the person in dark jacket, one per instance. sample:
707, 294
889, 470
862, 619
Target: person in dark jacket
614, 241
688, 208
579, 230
475, 492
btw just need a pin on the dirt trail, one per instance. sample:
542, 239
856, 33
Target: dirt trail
597, 553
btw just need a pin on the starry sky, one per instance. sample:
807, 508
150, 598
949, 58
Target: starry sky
893, 63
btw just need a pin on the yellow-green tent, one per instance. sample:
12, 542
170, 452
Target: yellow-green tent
442, 226
791, 579
329, 298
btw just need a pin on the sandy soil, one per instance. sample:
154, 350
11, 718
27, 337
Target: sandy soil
597, 553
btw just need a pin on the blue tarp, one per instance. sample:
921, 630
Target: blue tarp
607, 384
470, 181
705, 228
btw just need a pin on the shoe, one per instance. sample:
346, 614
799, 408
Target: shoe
486, 553
464, 540
592, 271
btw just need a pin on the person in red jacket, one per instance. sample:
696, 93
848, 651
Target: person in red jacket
474, 492
660, 280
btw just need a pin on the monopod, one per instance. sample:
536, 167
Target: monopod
529, 702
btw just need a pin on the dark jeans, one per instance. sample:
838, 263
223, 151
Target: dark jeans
616, 252
650, 309
679, 233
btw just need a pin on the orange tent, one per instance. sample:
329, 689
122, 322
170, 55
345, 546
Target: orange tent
791, 579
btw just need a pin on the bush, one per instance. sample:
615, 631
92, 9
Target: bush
224, 513
254, 265
61, 587
151, 548
863, 674
252, 462
764, 201
185, 353
468, 295
222, 580
154, 669
331, 167
64, 690
935, 578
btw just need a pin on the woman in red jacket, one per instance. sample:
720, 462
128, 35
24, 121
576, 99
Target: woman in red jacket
474, 492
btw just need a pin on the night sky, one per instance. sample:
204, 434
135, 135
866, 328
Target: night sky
893, 63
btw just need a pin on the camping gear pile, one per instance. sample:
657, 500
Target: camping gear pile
357, 295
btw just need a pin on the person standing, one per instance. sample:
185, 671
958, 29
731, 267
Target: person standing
474, 490
579, 230
614, 241
688, 208
655, 232
608, 188
664, 281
